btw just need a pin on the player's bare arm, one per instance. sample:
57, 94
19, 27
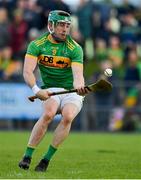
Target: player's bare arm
78, 81
28, 73
56, 51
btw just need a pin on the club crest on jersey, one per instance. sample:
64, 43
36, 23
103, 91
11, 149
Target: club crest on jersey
54, 50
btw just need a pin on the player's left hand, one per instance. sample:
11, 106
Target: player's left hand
79, 85
82, 91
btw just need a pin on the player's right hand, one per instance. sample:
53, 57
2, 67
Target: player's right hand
43, 95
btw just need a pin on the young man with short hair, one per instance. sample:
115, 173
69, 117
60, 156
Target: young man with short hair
60, 60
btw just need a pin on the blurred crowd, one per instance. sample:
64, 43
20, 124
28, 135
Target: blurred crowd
106, 32
109, 33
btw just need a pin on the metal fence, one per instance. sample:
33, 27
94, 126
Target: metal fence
119, 110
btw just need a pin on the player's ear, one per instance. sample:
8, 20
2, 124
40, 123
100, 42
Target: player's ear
50, 26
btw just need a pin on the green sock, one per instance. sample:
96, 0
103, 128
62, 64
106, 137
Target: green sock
29, 151
50, 152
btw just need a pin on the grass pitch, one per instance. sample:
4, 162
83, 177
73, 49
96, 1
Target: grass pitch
87, 156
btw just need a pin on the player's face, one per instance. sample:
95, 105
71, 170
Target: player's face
62, 29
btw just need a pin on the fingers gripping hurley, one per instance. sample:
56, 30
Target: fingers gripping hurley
99, 86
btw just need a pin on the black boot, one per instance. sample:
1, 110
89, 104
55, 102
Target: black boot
25, 162
42, 166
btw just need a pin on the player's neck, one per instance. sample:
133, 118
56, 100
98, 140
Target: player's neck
51, 39
55, 39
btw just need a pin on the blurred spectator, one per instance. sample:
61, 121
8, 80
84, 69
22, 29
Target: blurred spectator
22, 4
125, 7
116, 119
96, 24
101, 53
4, 29
49, 5
33, 34
73, 5
31, 13
59, 4
18, 32
46, 6
5, 58
5, 51
116, 55
75, 29
100, 17
139, 60
131, 79
13, 72
84, 14
9, 5
132, 73
130, 28
132, 92
113, 22
105, 9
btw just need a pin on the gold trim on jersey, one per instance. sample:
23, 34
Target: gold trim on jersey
51, 39
54, 61
77, 63
30, 56
40, 41
70, 45
75, 42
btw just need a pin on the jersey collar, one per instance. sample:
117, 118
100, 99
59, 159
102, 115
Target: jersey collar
50, 38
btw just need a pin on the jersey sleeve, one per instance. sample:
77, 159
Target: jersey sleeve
32, 49
77, 55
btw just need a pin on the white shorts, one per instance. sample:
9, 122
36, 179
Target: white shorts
63, 99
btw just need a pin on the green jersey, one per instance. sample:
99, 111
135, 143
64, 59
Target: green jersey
55, 60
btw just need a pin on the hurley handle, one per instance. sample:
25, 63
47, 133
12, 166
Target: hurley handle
32, 98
